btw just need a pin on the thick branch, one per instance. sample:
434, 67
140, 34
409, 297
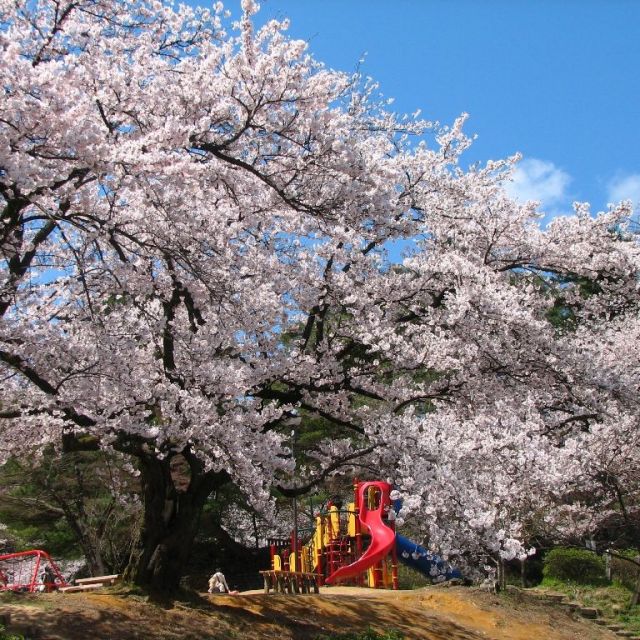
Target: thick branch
292, 492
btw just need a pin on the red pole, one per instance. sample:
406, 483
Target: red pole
56, 571
356, 503
34, 577
332, 566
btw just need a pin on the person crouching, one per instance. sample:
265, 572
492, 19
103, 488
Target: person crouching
218, 583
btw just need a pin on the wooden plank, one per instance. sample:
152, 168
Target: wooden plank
102, 579
82, 587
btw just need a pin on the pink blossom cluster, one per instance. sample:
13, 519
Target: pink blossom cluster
192, 233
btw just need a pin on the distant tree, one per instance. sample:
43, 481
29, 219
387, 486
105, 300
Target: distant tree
71, 504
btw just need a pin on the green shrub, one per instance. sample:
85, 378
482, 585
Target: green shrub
369, 634
574, 565
624, 571
409, 578
4, 635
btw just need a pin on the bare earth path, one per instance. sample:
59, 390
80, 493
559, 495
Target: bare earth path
434, 613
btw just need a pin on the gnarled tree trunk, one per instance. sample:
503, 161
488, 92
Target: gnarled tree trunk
174, 491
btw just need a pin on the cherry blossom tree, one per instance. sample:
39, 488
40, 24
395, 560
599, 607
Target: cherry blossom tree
543, 439
193, 237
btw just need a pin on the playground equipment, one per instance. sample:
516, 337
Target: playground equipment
31, 571
358, 544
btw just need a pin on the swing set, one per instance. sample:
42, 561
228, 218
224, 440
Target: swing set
29, 571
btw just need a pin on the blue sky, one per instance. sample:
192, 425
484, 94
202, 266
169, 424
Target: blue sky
557, 80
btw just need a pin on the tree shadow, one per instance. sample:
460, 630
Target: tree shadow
307, 616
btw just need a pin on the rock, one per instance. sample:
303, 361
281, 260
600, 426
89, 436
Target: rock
555, 597
588, 612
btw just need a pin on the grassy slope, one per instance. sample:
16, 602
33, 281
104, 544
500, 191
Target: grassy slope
612, 600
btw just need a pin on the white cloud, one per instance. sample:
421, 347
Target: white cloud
535, 179
625, 188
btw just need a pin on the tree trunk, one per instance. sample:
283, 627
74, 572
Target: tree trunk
635, 598
93, 557
502, 575
77, 522
172, 503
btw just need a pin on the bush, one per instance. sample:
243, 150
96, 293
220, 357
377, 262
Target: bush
5, 635
409, 578
574, 565
624, 571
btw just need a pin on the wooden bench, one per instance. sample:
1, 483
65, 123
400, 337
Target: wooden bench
88, 584
290, 581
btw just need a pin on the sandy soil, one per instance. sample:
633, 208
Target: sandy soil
436, 613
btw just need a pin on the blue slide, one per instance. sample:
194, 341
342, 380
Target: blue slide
427, 563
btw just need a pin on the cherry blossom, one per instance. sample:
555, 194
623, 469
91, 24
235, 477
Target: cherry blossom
193, 236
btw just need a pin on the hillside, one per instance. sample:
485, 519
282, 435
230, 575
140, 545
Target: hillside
433, 613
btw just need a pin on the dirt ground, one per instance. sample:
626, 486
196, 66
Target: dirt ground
434, 613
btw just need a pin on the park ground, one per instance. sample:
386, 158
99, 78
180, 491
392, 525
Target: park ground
431, 613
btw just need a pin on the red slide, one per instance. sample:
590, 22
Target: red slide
382, 537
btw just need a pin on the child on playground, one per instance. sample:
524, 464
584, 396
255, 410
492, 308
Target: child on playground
218, 584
